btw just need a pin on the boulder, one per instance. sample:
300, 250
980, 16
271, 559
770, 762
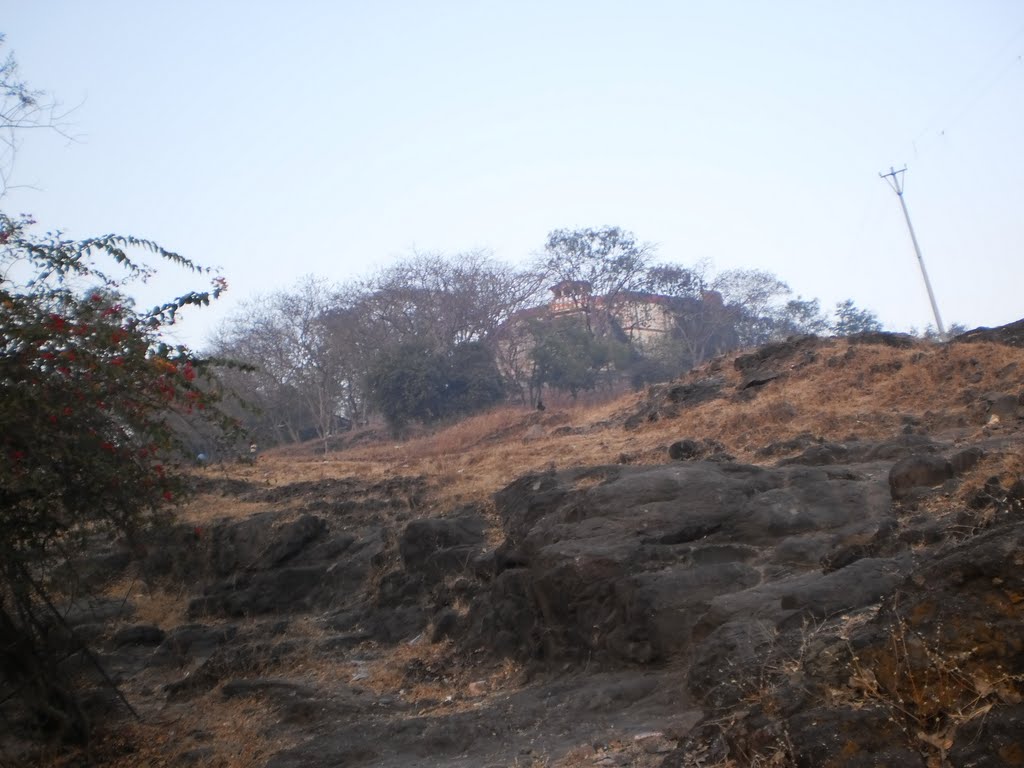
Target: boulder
138, 634
437, 547
919, 471
291, 538
647, 561
689, 449
191, 641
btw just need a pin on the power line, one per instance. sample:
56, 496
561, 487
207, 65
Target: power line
972, 90
894, 179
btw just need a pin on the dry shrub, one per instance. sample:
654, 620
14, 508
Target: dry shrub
931, 691
237, 733
157, 605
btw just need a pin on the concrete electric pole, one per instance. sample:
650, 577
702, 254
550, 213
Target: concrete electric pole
895, 180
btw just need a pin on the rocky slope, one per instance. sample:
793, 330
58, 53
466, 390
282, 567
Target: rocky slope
758, 593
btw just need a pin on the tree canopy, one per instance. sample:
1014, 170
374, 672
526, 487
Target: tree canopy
394, 343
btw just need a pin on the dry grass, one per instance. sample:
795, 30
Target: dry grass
864, 391
154, 605
204, 510
433, 678
847, 391
237, 733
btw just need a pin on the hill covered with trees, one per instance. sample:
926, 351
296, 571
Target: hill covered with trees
435, 337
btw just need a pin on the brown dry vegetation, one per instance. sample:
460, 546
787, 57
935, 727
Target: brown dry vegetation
849, 391
846, 391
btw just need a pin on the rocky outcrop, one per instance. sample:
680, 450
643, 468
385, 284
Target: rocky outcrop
649, 561
851, 601
1011, 334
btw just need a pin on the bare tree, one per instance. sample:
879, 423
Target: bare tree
594, 268
447, 300
288, 338
21, 109
703, 324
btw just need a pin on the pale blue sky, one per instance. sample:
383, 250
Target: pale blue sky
331, 138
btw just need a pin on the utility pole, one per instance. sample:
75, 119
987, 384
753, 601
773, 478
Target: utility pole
894, 179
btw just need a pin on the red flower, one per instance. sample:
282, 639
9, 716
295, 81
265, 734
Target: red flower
117, 361
168, 496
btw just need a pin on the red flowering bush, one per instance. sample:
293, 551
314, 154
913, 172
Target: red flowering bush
89, 392
93, 406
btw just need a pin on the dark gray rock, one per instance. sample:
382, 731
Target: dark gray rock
138, 634
292, 577
275, 591
820, 455
966, 460
240, 545
227, 661
759, 377
865, 737
688, 450
921, 471
682, 450
898, 448
389, 625
291, 539
639, 564
863, 582
438, 547
798, 443
190, 642
97, 610
271, 687
696, 392
729, 664
1004, 406
445, 624
995, 739
796, 348
91, 572
1011, 334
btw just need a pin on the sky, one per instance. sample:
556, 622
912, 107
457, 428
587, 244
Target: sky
277, 140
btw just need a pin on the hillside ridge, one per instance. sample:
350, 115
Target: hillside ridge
807, 554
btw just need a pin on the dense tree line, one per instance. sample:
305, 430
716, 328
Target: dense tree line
437, 336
